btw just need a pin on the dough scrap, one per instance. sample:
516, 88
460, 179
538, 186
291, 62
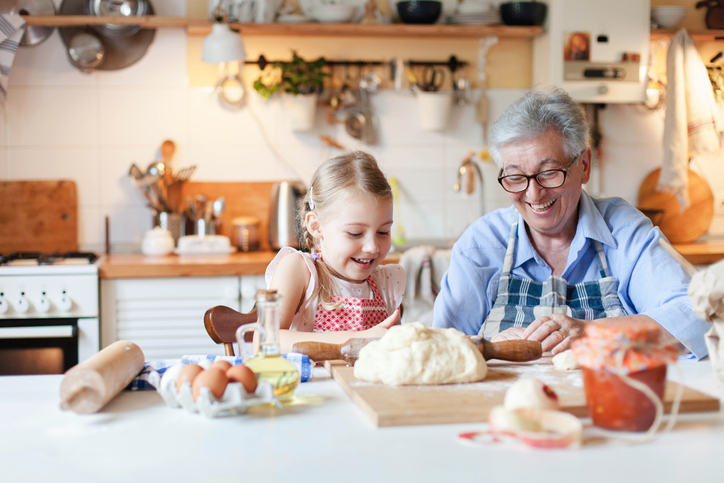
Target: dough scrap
565, 361
530, 393
415, 354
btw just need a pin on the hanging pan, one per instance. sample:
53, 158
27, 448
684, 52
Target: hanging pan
33, 34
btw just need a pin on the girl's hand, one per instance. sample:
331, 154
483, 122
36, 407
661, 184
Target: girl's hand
555, 332
380, 329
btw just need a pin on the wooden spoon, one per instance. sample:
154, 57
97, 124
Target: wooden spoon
168, 148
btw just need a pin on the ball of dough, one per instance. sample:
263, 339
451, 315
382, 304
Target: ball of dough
565, 361
530, 393
415, 354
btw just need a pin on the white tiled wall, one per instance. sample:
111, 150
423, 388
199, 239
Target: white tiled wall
60, 123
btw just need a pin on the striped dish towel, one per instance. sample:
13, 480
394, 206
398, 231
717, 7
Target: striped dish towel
690, 123
300, 361
12, 27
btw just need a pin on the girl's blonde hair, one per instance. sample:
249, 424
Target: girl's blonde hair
332, 181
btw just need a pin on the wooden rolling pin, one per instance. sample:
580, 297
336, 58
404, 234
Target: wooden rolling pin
87, 387
507, 350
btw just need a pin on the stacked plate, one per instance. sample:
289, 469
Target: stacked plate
483, 18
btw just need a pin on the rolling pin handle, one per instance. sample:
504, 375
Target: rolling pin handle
77, 393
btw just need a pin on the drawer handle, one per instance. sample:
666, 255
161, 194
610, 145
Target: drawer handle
47, 332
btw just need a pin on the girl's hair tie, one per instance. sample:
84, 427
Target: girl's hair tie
311, 201
316, 256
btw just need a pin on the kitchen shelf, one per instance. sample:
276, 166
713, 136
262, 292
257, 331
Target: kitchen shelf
697, 35
203, 27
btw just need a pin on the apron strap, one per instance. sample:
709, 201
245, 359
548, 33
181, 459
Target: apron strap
601, 257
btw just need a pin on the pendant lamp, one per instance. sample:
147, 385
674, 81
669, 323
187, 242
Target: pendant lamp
222, 44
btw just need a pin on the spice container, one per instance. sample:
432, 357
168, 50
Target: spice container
246, 233
615, 357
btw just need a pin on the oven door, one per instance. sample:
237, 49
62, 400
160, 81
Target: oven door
38, 346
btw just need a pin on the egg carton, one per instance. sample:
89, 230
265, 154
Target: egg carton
233, 402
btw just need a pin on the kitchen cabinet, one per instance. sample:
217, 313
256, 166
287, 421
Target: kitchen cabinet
165, 316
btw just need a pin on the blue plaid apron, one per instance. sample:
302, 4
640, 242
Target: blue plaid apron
520, 301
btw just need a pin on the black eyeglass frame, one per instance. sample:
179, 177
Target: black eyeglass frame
535, 176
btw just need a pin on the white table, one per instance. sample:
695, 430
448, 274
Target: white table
136, 438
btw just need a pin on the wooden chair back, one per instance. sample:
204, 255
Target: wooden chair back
221, 323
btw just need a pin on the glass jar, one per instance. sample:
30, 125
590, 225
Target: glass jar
268, 364
246, 233
611, 355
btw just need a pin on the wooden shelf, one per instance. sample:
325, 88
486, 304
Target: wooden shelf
697, 35
146, 21
203, 27
388, 30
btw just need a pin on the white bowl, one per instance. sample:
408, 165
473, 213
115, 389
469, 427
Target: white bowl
333, 13
668, 17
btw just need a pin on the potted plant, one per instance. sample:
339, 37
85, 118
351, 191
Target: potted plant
300, 82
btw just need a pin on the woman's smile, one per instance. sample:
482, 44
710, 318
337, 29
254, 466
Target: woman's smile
542, 207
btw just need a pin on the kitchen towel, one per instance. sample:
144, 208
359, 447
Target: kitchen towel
690, 123
424, 267
12, 27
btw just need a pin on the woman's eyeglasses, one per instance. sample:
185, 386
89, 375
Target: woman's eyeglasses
550, 178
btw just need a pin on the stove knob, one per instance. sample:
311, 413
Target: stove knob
4, 305
22, 304
43, 305
65, 303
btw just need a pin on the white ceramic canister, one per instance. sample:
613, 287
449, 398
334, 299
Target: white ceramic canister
157, 242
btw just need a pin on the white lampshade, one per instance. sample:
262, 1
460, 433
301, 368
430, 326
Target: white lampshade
222, 45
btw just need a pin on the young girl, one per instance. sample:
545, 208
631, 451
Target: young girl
335, 288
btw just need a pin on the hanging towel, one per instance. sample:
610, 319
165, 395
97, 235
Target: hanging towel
424, 267
690, 123
12, 27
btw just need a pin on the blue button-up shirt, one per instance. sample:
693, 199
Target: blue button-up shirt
650, 281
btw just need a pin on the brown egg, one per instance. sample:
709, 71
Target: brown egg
223, 365
244, 375
187, 374
214, 379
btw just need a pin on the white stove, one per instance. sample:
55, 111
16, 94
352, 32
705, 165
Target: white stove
49, 308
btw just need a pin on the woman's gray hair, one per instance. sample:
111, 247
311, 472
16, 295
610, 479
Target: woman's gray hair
539, 111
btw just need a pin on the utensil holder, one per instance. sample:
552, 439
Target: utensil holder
434, 109
173, 222
204, 227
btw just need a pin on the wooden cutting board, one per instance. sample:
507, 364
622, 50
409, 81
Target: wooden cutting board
38, 216
662, 208
471, 403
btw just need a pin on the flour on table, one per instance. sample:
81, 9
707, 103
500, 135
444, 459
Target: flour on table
565, 361
415, 354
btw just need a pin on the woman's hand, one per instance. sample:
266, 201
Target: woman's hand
555, 332
513, 333
380, 329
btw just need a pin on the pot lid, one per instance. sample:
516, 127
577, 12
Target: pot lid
33, 34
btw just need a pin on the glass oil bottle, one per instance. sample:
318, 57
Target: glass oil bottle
268, 363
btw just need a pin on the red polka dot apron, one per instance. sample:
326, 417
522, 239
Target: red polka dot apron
353, 313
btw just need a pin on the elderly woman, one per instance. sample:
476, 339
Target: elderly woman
558, 259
